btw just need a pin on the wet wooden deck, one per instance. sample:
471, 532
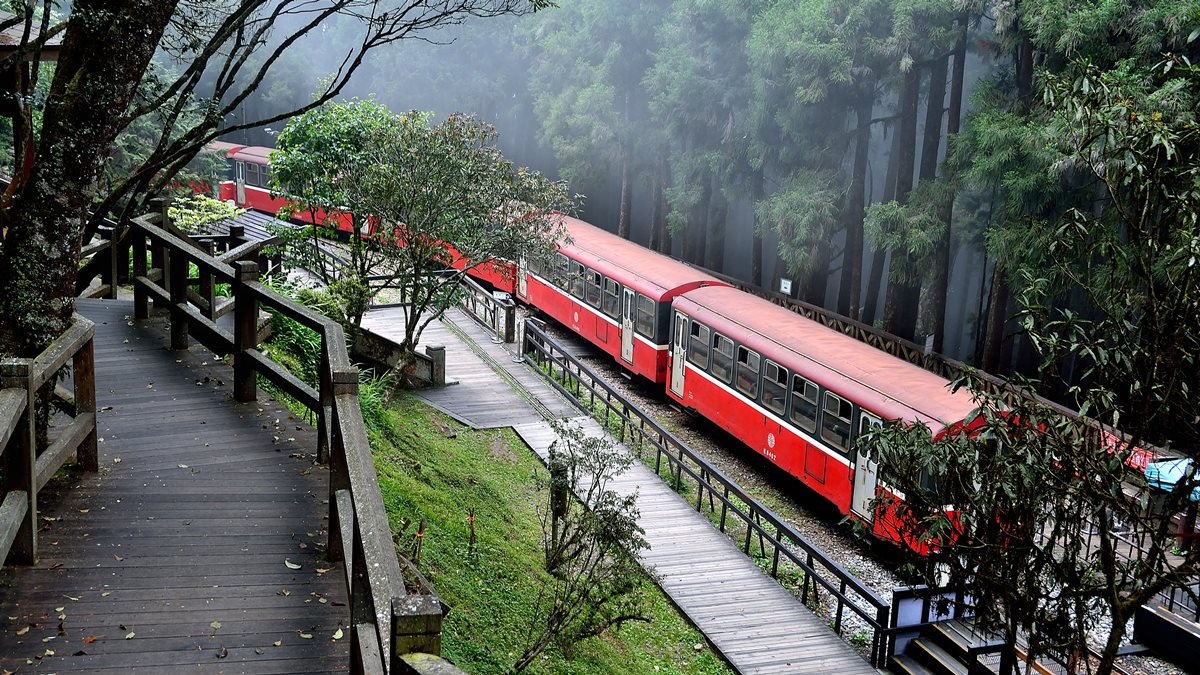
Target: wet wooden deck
179, 554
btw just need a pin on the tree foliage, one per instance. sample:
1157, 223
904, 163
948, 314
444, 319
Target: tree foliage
590, 535
1054, 527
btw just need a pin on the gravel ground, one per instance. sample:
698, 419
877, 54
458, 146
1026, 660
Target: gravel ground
872, 562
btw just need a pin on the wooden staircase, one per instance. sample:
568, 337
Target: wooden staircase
946, 648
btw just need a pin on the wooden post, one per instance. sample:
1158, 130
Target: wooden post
141, 299
343, 381
112, 275
510, 321
245, 332
84, 367
327, 387
207, 287
237, 235
179, 300
438, 354
159, 257
20, 459
416, 626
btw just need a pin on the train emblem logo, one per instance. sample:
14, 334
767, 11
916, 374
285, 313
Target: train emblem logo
770, 440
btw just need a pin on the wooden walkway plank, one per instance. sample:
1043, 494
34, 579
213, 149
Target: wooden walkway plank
176, 555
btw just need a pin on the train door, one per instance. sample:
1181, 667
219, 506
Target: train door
866, 471
628, 311
679, 354
522, 278
240, 182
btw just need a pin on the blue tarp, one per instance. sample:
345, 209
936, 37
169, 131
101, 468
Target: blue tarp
1166, 474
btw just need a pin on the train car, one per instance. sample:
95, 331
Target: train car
613, 293
251, 187
800, 393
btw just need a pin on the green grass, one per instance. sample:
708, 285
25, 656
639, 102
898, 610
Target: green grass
426, 475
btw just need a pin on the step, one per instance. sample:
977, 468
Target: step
903, 664
935, 657
961, 640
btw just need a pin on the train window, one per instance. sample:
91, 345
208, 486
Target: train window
265, 176
774, 387
866, 422
251, 173
611, 302
698, 345
835, 421
747, 372
560, 271
804, 404
722, 357
575, 280
593, 288
645, 316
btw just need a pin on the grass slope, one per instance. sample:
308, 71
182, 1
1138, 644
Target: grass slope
433, 469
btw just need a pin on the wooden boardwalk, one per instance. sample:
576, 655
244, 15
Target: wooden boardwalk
757, 625
489, 389
179, 554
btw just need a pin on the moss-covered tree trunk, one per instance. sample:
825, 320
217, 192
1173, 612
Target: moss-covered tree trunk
105, 52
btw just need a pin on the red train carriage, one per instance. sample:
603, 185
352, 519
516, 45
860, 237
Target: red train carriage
251, 186
613, 293
798, 392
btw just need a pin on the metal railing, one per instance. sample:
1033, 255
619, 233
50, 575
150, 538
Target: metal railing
785, 554
386, 621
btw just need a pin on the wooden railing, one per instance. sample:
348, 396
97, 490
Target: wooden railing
386, 621
783, 552
26, 471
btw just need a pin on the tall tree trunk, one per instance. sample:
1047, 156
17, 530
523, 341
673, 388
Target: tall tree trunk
698, 222
879, 256
106, 49
756, 253
933, 297
939, 283
856, 203
660, 206
623, 222
997, 316
900, 310
714, 244
817, 281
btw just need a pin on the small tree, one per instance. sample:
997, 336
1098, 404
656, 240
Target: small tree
1045, 533
432, 185
590, 535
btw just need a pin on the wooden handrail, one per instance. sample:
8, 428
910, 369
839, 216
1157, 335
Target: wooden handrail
26, 470
383, 627
761, 523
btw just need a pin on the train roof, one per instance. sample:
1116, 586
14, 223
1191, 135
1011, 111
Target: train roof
253, 153
652, 274
875, 380
223, 148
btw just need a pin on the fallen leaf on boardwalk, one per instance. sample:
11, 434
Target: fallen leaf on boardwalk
49, 638
89, 639
323, 570
215, 625
59, 609
105, 594
183, 466
116, 460
84, 510
129, 635
22, 631
117, 557
306, 636
291, 565
49, 652
285, 592
258, 650
278, 643
68, 596
222, 653
338, 634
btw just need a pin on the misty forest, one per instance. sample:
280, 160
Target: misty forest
892, 161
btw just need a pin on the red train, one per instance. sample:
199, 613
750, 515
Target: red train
791, 389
